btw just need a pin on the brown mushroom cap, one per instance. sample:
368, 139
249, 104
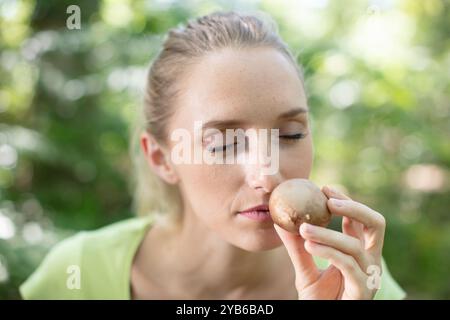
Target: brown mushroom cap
296, 201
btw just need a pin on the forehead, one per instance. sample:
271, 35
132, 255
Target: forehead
247, 83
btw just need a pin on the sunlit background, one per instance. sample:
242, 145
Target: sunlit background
377, 75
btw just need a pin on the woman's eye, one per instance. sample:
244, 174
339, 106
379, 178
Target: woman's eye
221, 148
296, 136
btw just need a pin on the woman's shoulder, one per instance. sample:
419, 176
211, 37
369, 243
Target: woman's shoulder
89, 265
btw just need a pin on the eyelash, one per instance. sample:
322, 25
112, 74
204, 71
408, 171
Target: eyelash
223, 148
290, 138
296, 136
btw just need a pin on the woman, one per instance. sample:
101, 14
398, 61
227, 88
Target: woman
224, 71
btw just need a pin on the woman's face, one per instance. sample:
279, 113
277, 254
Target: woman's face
246, 89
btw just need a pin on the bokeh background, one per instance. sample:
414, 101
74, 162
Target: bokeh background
377, 75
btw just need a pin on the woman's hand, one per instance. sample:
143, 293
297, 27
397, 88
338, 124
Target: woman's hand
354, 254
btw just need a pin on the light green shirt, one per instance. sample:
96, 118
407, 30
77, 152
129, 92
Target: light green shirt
97, 265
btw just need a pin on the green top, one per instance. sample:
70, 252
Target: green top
102, 259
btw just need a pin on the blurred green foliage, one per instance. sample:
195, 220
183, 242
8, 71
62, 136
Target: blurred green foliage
377, 75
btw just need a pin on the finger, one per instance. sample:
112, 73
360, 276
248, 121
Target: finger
374, 223
354, 277
305, 268
337, 240
331, 192
353, 228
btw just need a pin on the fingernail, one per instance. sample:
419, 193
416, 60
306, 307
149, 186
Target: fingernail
337, 202
306, 227
333, 190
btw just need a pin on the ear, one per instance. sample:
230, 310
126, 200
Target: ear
157, 158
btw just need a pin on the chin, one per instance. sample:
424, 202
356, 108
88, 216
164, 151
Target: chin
257, 241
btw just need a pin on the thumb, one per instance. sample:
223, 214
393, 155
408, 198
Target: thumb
334, 193
306, 271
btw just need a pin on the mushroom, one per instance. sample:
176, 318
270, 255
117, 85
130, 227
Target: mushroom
296, 201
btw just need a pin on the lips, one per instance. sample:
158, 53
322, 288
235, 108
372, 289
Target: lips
257, 213
262, 207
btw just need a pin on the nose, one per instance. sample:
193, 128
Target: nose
262, 173
262, 182
259, 180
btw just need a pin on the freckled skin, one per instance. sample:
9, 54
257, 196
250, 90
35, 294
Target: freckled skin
254, 85
296, 201
216, 249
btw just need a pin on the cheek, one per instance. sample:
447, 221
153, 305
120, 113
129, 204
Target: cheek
209, 186
297, 160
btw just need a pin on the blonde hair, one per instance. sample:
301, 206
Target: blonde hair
183, 47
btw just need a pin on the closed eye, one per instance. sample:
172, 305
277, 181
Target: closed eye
221, 148
293, 136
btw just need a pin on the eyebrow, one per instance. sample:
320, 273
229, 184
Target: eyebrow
292, 113
225, 124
